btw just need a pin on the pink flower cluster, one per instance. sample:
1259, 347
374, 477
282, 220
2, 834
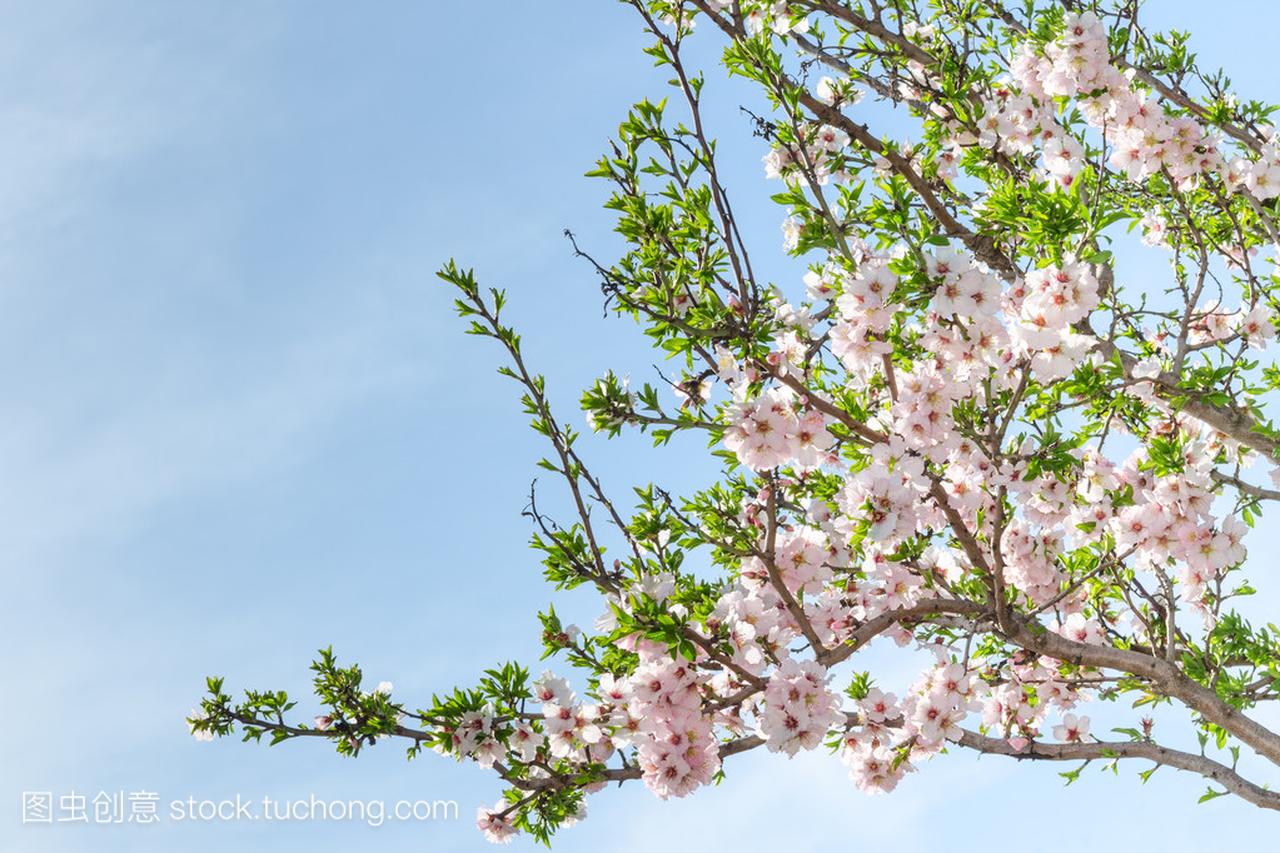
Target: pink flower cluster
1014, 123
1031, 690
1043, 308
867, 312
1261, 176
1170, 520
888, 493
1143, 137
818, 157
936, 705
774, 429
869, 750
496, 826
675, 742
474, 737
758, 624
803, 555
1030, 560
878, 752
573, 730
769, 15
799, 709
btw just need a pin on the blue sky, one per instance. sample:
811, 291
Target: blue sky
242, 423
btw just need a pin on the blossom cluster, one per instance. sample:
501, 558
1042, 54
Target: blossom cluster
799, 708
819, 155
1144, 138
1046, 305
774, 428
675, 741
1171, 520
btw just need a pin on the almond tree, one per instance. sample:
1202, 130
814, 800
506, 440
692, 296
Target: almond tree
966, 430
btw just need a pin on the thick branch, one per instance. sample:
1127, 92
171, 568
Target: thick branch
1161, 755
